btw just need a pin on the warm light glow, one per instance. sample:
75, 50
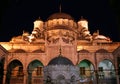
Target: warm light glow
79, 48
38, 24
83, 24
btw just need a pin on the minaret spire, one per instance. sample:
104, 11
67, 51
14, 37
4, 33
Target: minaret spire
82, 18
39, 18
60, 8
98, 32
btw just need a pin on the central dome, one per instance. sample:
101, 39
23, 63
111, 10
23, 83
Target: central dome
60, 60
60, 15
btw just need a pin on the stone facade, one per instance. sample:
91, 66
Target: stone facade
25, 59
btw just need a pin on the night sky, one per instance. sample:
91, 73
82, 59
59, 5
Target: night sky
19, 15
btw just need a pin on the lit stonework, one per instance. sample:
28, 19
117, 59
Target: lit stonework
60, 51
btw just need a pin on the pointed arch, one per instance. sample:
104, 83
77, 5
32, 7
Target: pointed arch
107, 68
83, 51
14, 66
86, 68
85, 63
14, 71
108, 63
35, 71
38, 51
20, 51
17, 51
101, 51
34, 64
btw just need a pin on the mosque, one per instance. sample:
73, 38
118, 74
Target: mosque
60, 50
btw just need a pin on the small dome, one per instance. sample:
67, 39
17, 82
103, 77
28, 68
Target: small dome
60, 15
60, 60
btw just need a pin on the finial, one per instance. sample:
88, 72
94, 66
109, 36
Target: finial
39, 18
82, 18
98, 32
60, 8
23, 31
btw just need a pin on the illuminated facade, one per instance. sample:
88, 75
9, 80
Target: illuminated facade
59, 51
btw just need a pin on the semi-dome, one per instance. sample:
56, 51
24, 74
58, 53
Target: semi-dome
60, 60
60, 15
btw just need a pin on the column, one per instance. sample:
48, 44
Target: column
25, 76
4, 76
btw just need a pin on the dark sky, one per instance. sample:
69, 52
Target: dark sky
19, 15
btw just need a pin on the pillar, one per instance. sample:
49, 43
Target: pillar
25, 76
4, 76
